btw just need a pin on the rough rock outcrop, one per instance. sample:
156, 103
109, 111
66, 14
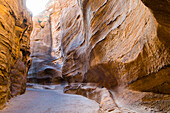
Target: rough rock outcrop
15, 28
101, 95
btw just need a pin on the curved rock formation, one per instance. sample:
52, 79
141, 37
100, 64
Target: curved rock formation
113, 40
45, 54
15, 29
121, 45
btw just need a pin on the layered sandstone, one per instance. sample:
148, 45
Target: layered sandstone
15, 29
122, 45
45, 49
46, 53
112, 42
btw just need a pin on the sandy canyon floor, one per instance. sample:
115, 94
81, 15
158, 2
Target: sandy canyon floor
42, 100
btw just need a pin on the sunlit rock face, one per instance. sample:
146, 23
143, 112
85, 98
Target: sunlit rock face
121, 45
15, 29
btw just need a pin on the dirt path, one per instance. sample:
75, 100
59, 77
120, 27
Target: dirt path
50, 101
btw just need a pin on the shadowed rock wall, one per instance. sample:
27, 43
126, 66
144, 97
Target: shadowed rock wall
45, 49
15, 29
46, 53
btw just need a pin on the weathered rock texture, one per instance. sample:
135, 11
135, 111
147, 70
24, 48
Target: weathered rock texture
45, 50
46, 54
113, 42
122, 45
101, 95
15, 29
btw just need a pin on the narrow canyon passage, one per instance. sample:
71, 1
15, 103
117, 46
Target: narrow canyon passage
50, 101
85, 56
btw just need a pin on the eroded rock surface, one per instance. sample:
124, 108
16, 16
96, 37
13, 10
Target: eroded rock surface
121, 45
15, 29
101, 95
45, 49
113, 42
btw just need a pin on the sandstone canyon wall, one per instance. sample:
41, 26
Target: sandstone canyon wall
15, 29
115, 43
122, 45
46, 53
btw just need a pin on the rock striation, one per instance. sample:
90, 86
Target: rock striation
15, 29
45, 50
46, 53
117, 44
121, 45
114, 42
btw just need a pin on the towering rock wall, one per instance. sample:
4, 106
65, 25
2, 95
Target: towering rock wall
44, 67
46, 54
15, 29
122, 45
117, 43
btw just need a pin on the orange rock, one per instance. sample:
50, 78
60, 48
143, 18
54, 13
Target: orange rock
120, 45
15, 29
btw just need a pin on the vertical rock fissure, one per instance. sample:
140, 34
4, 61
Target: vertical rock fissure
51, 35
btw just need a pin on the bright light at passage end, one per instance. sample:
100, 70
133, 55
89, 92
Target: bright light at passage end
36, 6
